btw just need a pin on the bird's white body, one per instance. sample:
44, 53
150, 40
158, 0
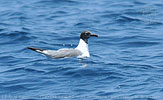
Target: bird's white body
83, 48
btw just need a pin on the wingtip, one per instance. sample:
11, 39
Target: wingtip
29, 47
34, 49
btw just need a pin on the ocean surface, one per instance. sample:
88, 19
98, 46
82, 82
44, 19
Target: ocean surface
126, 60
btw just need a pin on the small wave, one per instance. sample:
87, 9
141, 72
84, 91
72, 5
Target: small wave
136, 41
141, 38
82, 25
13, 15
140, 3
4, 24
61, 12
15, 88
15, 37
109, 15
93, 73
16, 14
8, 59
14, 34
22, 69
154, 23
125, 19
139, 44
130, 41
132, 12
59, 70
23, 39
6, 12
105, 93
145, 66
79, 24
54, 2
149, 22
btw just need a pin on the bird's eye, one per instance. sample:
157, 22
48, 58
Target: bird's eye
87, 34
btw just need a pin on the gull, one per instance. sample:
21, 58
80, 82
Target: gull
81, 51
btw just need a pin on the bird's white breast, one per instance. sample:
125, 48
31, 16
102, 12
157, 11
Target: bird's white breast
83, 47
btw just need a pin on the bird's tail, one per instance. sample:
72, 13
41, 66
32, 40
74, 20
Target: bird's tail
36, 49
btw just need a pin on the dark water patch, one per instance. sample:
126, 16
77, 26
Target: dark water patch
145, 67
61, 12
147, 38
103, 93
54, 3
57, 70
1, 30
22, 69
140, 44
159, 4
130, 41
3, 24
127, 19
81, 73
122, 4
23, 49
81, 90
15, 37
41, 63
136, 41
57, 15
19, 81
132, 12
160, 55
19, 18
60, 1
89, 61
139, 3
16, 88
16, 14
80, 24
6, 13
14, 34
24, 39
83, 24
39, 98
139, 69
87, 72
26, 29
113, 76
52, 17
110, 15
33, 70
131, 84
154, 23
8, 59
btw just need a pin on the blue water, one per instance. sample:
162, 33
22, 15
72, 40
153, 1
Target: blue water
126, 60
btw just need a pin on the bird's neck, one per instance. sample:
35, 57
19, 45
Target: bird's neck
83, 47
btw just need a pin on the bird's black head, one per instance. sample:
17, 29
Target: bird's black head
85, 35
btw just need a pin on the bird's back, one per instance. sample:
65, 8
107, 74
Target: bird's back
62, 53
